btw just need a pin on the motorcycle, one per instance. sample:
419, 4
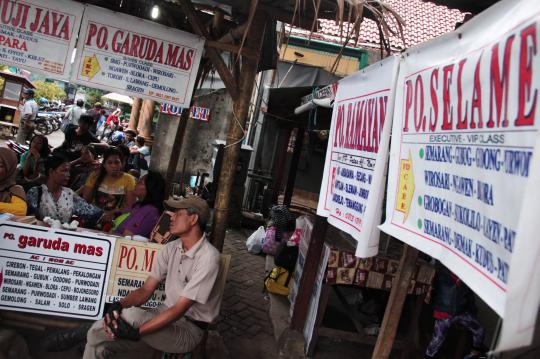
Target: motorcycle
18, 148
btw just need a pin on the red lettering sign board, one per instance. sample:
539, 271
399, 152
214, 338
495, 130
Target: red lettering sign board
353, 180
53, 272
462, 160
131, 265
39, 35
135, 57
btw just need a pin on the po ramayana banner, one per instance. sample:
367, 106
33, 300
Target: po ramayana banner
53, 272
125, 54
465, 127
353, 181
39, 35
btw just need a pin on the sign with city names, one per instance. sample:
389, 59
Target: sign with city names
353, 181
131, 265
135, 57
39, 35
53, 272
465, 127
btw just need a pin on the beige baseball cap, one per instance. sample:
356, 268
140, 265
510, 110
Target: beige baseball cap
197, 204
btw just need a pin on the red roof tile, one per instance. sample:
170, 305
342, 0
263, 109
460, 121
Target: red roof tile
423, 21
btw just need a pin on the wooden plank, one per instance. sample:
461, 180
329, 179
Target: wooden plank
212, 53
309, 274
357, 338
323, 302
392, 314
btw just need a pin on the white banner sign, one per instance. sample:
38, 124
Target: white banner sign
39, 35
353, 181
53, 272
125, 54
464, 131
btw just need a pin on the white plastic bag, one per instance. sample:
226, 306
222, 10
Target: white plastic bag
255, 241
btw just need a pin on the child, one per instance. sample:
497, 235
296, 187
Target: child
453, 302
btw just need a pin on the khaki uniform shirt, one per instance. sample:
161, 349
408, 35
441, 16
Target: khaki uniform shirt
191, 275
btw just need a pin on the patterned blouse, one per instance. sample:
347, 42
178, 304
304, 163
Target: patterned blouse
69, 204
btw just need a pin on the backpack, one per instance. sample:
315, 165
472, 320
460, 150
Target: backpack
278, 281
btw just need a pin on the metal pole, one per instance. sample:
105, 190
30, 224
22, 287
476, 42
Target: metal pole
298, 144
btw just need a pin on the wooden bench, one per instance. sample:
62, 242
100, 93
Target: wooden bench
200, 350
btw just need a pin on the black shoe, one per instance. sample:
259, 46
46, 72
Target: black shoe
66, 339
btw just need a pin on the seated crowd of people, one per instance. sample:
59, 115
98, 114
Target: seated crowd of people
100, 185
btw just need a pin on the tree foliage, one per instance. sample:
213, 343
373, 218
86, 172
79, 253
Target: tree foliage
93, 95
49, 90
2, 68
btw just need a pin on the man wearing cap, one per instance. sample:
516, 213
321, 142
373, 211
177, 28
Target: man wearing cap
189, 266
28, 117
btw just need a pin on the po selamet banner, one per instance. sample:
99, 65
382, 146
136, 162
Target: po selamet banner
464, 131
39, 35
353, 181
125, 54
52, 272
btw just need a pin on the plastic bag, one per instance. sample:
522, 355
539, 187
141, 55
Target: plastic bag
254, 242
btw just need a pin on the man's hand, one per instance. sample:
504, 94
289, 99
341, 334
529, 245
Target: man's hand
114, 307
123, 330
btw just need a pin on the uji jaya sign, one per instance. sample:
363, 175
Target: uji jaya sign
39, 35
126, 54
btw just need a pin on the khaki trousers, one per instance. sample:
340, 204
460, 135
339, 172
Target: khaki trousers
180, 337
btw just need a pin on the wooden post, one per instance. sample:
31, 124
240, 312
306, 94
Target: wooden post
392, 314
235, 136
309, 274
298, 144
176, 148
189, 11
134, 116
145, 119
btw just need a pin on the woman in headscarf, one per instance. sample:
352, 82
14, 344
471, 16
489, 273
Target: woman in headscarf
12, 196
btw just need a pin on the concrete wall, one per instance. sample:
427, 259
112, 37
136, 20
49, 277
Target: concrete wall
196, 147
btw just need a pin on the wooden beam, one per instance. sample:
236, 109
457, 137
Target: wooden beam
212, 53
392, 314
249, 53
236, 133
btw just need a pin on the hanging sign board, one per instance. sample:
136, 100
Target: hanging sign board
52, 272
465, 126
169, 109
39, 35
354, 171
197, 113
135, 57
132, 264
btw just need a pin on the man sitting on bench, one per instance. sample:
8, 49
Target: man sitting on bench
189, 266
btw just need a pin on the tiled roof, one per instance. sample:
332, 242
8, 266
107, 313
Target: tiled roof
423, 21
